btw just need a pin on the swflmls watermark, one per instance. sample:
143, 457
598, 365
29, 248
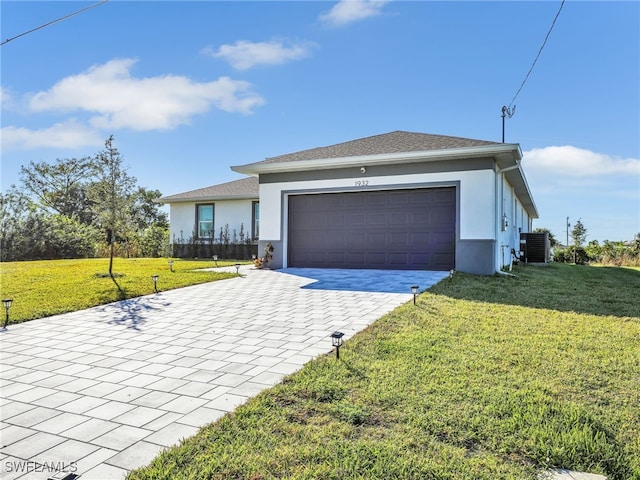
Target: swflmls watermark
29, 466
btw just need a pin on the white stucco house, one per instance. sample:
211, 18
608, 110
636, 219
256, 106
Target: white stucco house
399, 200
206, 214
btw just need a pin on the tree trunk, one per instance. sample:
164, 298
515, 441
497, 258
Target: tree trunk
111, 258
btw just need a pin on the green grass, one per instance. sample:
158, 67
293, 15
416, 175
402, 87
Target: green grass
44, 288
486, 378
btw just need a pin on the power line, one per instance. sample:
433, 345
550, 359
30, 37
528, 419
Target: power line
538, 55
53, 21
509, 111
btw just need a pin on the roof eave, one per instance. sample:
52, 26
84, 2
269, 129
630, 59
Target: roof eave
208, 198
506, 154
519, 181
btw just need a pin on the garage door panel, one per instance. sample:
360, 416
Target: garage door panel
355, 240
440, 214
418, 239
376, 241
398, 259
420, 219
376, 259
399, 240
398, 199
375, 200
358, 202
444, 196
401, 229
334, 219
356, 219
399, 219
376, 219
335, 257
356, 258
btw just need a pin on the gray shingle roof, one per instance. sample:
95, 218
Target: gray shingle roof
386, 143
237, 189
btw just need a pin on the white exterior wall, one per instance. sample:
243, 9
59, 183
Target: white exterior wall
182, 218
517, 221
181, 221
476, 210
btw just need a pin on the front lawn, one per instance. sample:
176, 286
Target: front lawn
486, 378
49, 287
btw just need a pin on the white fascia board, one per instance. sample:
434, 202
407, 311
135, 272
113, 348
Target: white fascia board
205, 199
505, 154
519, 182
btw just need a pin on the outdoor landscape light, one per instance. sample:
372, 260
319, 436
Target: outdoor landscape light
171, 265
336, 341
7, 302
414, 290
155, 282
215, 259
237, 268
253, 257
451, 272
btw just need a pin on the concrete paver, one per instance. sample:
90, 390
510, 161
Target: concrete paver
106, 389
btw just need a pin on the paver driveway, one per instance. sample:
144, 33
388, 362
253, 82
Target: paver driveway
102, 391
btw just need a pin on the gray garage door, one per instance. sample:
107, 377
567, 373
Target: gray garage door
391, 229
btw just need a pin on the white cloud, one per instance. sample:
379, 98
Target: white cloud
568, 161
70, 134
243, 55
120, 100
5, 98
349, 11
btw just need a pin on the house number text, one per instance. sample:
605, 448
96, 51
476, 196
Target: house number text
362, 183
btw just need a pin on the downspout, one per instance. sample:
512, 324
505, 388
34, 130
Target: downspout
498, 217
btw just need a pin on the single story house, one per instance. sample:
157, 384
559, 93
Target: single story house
399, 200
207, 215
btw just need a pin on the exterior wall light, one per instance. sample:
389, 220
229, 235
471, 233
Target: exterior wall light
414, 290
154, 278
171, 265
336, 341
7, 302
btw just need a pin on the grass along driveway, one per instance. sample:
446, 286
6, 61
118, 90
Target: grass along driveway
49, 287
486, 378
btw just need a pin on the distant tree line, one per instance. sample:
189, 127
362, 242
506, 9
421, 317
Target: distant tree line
609, 253
81, 208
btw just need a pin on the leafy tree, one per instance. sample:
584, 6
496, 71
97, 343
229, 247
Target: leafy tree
145, 212
579, 233
15, 209
112, 193
61, 187
67, 237
593, 251
70, 207
29, 233
552, 240
154, 241
635, 246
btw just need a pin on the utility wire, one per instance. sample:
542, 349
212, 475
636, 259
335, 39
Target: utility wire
537, 56
54, 21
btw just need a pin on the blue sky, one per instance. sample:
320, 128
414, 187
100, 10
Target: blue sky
190, 88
